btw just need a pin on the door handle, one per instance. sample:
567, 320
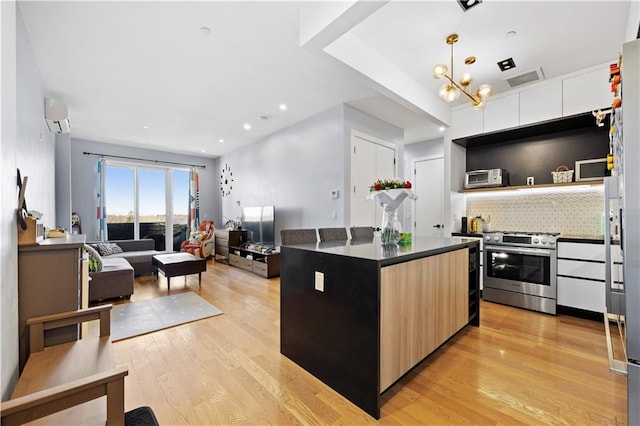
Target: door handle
438, 226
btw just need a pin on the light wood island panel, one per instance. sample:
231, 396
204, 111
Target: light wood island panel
422, 304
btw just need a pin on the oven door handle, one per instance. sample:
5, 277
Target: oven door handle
520, 250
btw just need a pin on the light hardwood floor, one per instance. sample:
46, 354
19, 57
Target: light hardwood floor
518, 367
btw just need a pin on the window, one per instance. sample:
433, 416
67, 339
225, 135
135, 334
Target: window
180, 217
120, 202
143, 202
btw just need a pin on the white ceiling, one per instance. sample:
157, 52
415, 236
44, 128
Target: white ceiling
120, 66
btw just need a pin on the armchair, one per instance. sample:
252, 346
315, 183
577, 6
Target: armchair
69, 375
200, 242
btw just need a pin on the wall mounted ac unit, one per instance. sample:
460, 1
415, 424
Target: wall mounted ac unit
57, 116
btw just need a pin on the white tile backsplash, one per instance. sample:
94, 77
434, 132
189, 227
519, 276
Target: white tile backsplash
569, 211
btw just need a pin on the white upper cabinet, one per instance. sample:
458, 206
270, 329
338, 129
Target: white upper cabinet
561, 97
465, 122
586, 92
501, 113
544, 102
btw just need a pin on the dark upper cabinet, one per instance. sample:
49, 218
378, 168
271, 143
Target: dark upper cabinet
536, 150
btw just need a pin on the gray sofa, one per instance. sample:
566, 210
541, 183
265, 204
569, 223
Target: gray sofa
118, 270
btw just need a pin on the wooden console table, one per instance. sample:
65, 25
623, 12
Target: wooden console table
49, 282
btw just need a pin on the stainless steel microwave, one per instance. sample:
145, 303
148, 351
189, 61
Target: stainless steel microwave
595, 169
486, 178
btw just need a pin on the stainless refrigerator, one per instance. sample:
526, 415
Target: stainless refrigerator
630, 232
622, 208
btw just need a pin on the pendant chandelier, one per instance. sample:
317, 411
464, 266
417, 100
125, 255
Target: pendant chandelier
451, 90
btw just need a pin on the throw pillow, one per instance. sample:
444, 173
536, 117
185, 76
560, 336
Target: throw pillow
95, 261
197, 236
106, 249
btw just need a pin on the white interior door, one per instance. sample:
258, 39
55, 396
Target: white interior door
428, 208
386, 169
369, 161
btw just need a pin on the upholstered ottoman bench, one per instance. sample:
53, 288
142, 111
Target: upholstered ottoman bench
178, 264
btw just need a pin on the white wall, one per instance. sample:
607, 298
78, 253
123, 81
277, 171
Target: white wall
8, 255
458, 200
27, 145
421, 149
297, 168
35, 156
633, 21
83, 170
412, 152
364, 123
294, 169
63, 181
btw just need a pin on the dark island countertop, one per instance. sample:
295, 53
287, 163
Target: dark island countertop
388, 254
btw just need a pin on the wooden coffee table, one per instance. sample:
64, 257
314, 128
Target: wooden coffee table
179, 264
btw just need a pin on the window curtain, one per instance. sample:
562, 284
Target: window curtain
194, 200
101, 209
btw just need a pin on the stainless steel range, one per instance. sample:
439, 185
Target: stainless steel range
520, 270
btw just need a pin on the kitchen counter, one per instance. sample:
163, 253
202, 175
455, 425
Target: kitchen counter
587, 239
467, 234
344, 308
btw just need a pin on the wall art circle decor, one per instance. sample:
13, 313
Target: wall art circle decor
226, 180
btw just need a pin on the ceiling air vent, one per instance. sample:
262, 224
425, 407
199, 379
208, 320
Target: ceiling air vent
524, 78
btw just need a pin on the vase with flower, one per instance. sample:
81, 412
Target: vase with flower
390, 193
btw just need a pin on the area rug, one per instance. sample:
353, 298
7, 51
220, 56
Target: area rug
136, 318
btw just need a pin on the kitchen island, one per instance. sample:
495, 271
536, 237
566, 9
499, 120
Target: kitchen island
359, 315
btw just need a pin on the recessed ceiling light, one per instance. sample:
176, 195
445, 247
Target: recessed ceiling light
221, 140
145, 127
468, 4
205, 30
506, 64
202, 150
247, 126
283, 107
441, 128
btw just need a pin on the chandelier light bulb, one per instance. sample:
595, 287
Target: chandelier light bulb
443, 91
466, 79
453, 94
439, 71
484, 91
449, 93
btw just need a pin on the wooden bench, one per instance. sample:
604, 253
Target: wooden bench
67, 379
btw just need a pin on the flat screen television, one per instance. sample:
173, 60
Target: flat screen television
259, 222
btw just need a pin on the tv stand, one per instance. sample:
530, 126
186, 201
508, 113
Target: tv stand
226, 238
264, 264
